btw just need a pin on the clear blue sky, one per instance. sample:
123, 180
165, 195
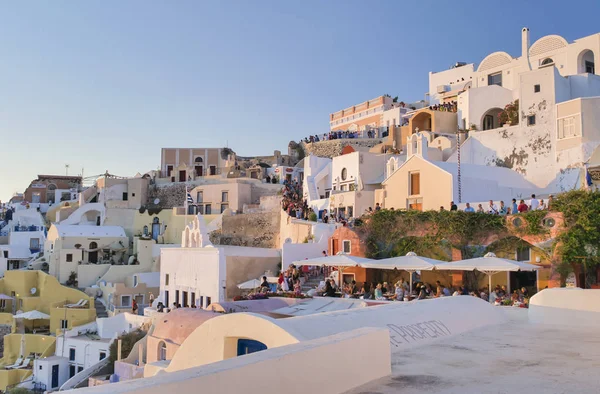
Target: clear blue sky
103, 85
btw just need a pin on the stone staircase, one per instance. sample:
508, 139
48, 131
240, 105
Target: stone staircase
312, 283
100, 309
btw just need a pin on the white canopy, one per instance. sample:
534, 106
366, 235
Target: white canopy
338, 260
488, 264
32, 315
410, 263
6, 297
249, 285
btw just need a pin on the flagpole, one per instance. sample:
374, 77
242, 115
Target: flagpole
185, 207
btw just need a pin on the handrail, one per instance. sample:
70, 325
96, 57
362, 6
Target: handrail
85, 374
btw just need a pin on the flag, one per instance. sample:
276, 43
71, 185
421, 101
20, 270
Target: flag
190, 200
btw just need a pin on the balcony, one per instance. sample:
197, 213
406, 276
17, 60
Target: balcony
18, 228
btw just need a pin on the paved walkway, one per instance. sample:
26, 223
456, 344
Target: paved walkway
517, 357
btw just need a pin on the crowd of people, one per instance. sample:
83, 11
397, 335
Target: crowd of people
339, 134
503, 209
292, 201
400, 291
445, 107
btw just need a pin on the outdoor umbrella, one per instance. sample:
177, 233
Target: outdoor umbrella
488, 264
339, 260
409, 263
249, 285
32, 315
6, 297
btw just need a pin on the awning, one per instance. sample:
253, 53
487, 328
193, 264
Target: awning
32, 315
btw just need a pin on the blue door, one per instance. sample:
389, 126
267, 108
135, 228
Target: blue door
54, 376
247, 346
155, 231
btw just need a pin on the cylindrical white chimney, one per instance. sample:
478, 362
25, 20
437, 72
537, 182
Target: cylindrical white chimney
525, 47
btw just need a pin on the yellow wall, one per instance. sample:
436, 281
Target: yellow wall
49, 297
75, 317
175, 224
42, 344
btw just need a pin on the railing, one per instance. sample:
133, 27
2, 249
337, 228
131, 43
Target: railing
18, 228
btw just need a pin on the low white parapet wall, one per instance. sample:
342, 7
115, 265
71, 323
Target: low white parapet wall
410, 324
326, 365
568, 307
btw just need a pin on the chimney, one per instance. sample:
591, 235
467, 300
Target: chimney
525, 46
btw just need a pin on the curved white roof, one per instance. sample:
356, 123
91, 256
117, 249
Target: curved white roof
68, 230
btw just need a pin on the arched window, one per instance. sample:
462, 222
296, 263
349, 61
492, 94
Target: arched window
344, 174
198, 160
547, 61
155, 220
162, 351
145, 230
50, 193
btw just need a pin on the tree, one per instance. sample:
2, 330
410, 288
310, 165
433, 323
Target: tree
127, 342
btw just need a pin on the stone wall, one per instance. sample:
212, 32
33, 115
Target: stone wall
261, 190
260, 230
334, 148
5, 329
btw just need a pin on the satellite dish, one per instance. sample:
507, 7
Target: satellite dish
156, 201
33, 290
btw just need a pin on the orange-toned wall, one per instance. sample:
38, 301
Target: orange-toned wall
360, 122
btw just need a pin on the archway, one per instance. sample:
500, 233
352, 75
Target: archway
162, 351
198, 167
422, 121
50, 193
491, 119
585, 62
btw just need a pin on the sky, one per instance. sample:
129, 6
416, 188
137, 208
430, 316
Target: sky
104, 85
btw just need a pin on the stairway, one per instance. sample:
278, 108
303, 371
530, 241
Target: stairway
312, 283
100, 309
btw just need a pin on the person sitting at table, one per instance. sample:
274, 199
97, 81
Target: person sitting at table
329, 290
514, 297
285, 283
379, 292
524, 292
457, 291
399, 291
493, 296
504, 291
438, 292
428, 290
353, 289
264, 286
297, 288
366, 292
422, 293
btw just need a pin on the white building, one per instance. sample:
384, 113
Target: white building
25, 235
199, 273
81, 348
346, 184
285, 173
556, 84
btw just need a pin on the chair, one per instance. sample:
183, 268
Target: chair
81, 304
77, 304
25, 363
16, 364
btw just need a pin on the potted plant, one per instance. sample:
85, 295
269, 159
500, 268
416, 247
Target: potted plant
509, 116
